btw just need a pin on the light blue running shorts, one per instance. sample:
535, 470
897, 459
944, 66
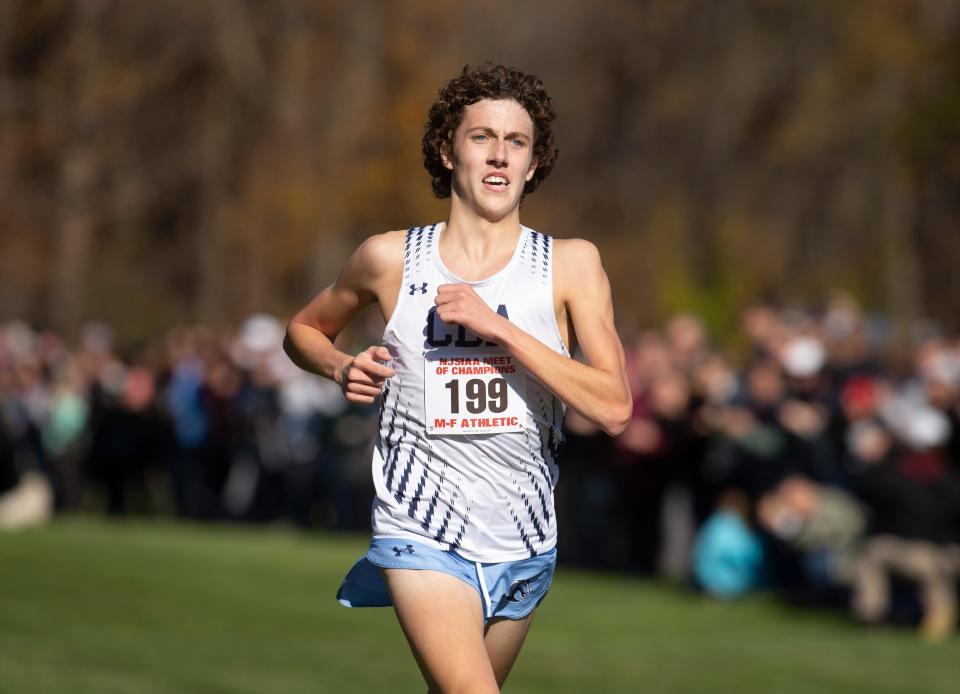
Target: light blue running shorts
509, 589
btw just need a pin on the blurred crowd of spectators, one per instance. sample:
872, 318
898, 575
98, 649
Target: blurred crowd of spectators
203, 425
817, 465
812, 463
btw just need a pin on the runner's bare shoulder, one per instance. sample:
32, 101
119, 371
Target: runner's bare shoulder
377, 263
576, 261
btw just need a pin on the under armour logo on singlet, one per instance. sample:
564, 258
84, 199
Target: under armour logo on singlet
414, 289
400, 550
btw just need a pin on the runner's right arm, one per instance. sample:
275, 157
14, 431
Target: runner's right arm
372, 274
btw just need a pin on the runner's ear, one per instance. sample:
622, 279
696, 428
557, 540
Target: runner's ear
531, 170
445, 158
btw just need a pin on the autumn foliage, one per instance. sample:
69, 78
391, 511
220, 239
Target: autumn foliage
198, 160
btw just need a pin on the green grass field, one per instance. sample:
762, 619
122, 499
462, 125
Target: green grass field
88, 606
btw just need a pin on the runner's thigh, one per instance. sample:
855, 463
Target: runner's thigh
503, 640
442, 619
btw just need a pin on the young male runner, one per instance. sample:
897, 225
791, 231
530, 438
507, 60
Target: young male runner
475, 373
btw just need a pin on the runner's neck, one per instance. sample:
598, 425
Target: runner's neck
477, 254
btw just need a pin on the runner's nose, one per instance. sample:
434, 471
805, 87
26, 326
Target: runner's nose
498, 157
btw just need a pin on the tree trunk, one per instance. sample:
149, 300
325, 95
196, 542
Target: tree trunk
73, 231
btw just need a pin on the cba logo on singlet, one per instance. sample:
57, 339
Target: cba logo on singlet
436, 332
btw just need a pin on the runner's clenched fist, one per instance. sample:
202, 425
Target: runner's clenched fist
460, 304
361, 379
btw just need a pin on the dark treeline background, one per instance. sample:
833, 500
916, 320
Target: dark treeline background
188, 160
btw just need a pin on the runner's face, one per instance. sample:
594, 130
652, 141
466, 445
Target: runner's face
492, 157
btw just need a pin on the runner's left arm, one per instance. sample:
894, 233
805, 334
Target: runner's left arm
597, 389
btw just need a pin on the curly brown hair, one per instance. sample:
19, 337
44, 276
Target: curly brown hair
488, 81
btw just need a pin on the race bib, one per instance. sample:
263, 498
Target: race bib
474, 392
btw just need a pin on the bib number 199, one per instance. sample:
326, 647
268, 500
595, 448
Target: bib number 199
474, 392
480, 395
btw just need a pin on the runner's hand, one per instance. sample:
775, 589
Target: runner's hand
460, 304
361, 379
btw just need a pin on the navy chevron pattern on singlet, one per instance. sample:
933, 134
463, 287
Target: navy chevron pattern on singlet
534, 521
544, 468
392, 461
442, 530
408, 257
432, 506
552, 426
539, 490
545, 270
411, 436
463, 528
455, 496
416, 243
383, 400
393, 419
448, 515
417, 495
538, 260
404, 478
523, 534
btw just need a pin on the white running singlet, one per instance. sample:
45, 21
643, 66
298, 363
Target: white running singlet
465, 457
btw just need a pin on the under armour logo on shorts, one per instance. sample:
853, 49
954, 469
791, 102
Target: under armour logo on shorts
519, 590
414, 289
400, 550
